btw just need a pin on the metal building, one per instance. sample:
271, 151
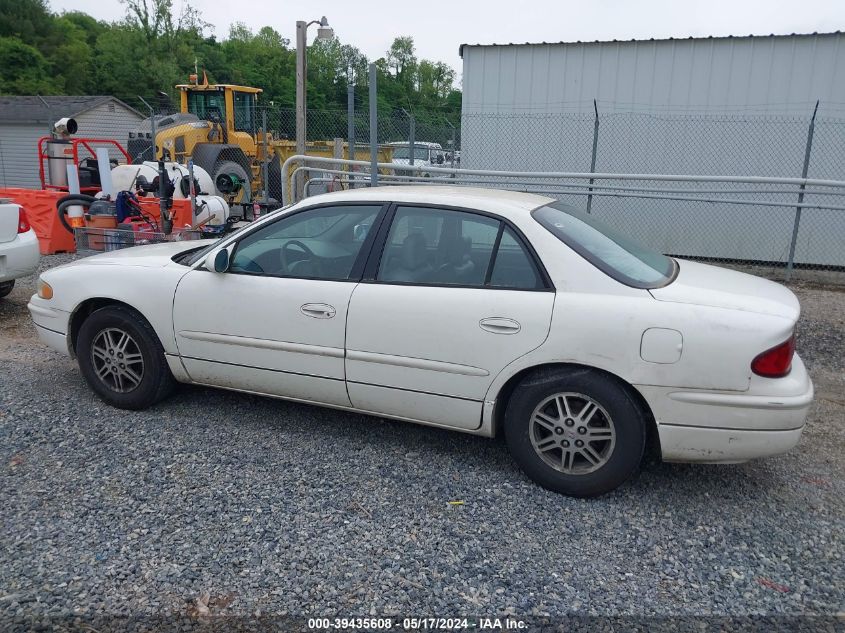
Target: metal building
710, 106
781, 74
25, 119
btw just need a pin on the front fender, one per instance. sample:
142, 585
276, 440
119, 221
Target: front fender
150, 291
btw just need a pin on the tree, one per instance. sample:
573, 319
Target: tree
23, 70
354, 64
27, 20
262, 60
401, 57
156, 21
434, 81
153, 48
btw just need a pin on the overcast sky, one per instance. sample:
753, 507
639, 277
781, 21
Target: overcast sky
439, 27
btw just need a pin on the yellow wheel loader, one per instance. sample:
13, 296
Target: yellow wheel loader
216, 127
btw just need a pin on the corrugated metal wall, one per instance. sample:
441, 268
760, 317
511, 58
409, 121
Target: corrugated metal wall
19, 142
19, 154
721, 106
775, 74
109, 121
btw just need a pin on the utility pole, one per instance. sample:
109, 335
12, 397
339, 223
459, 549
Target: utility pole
301, 84
324, 32
373, 127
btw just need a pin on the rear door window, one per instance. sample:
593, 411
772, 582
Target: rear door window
446, 247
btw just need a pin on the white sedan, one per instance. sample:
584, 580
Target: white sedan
475, 310
19, 255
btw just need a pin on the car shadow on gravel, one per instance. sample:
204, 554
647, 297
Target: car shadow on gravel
259, 412
253, 427
487, 458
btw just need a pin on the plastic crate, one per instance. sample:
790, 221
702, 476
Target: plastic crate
91, 240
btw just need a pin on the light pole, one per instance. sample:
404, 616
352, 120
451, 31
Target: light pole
324, 32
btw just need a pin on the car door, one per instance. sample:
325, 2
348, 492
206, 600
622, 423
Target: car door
275, 321
447, 301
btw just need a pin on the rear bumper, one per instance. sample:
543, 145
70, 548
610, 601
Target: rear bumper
710, 446
19, 257
707, 426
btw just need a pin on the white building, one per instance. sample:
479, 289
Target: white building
23, 120
716, 105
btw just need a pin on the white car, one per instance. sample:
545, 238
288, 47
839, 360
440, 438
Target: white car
425, 155
475, 310
19, 255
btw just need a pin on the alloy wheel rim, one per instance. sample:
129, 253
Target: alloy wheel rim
572, 433
117, 360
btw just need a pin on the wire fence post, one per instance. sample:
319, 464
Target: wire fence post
152, 127
50, 122
350, 128
265, 183
807, 151
454, 149
412, 133
373, 127
593, 159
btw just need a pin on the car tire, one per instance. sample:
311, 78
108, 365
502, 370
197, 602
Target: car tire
6, 287
578, 431
122, 359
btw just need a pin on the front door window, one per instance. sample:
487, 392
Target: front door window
321, 243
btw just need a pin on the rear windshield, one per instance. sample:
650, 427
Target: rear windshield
620, 257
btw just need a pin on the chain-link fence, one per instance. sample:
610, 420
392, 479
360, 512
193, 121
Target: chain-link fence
763, 226
747, 224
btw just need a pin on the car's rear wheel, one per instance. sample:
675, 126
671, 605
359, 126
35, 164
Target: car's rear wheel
6, 287
122, 359
578, 431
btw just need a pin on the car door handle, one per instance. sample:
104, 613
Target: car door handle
500, 325
318, 310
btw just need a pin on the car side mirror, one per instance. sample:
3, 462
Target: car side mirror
217, 261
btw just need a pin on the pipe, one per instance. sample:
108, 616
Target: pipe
562, 175
734, 201
460, 181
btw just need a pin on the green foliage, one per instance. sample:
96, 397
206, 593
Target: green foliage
27, 20
153, 49
23, 70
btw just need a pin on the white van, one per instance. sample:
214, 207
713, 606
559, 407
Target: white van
425, 154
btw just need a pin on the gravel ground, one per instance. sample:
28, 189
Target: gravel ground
268, 507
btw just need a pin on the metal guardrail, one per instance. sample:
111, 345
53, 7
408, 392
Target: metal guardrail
550, 175
766, 198
529, 186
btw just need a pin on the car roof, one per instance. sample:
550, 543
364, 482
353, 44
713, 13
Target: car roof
501, 201
416, 144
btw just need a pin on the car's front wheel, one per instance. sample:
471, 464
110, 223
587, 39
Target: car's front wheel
122, 359
575, 431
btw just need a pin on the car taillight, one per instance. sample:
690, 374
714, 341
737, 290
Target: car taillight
775, 362
23, 221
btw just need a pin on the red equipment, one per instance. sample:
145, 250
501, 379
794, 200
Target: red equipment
70, 153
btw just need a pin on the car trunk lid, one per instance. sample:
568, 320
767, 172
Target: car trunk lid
703, 284
9, 217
